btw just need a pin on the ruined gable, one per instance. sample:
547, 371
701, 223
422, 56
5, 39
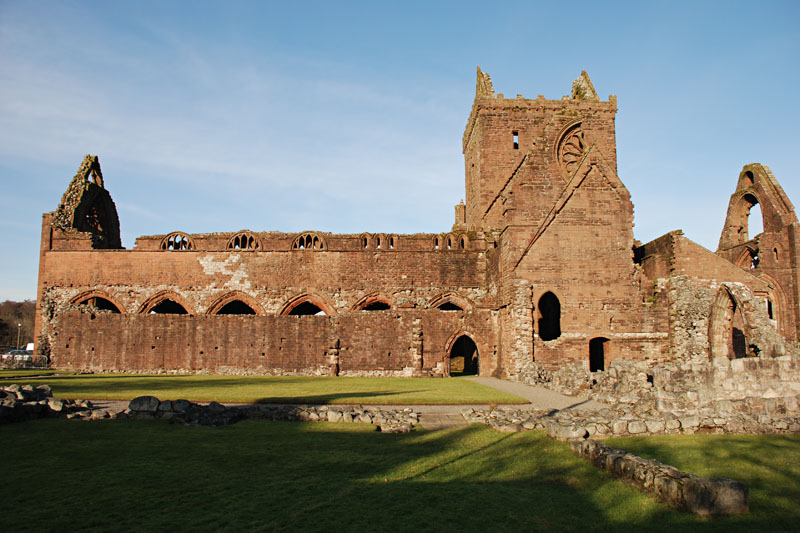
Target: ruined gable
86, 207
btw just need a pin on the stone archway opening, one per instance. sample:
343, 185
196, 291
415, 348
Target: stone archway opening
168, 307
550, 317
100, 303
236, 307
306, 309
728, 336
463, 357
377, 306
598, 348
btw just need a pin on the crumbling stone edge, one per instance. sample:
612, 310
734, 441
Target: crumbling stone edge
684, 491
386, 420
21, 403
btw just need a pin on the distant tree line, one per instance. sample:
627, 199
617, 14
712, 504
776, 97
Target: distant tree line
11, 314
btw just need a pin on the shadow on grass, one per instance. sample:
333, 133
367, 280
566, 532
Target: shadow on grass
768, 464
317, 477
337, 398
273, 389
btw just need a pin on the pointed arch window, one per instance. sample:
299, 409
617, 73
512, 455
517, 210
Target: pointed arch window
244, 240
177, 241
308, 241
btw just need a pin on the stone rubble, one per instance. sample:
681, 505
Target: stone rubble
387, 420
684, 491
624, 420
21, 403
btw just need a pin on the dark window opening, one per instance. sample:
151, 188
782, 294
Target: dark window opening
436, 243
769, 309
377, 306
754, 260
236, 307
550, 320
449, 306
464, 357
364, 242
597, 354
462, 243
516, 139
168, 307
449, 243
306, 309
391, 243
378, 242
739, 343
100, 304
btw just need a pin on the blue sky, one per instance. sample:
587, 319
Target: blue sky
348, 116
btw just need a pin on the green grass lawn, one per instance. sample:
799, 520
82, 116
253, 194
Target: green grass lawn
65, 475
10, 373
768, 464
275, 389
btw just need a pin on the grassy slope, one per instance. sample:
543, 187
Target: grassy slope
768, 464
269, 389
71, 475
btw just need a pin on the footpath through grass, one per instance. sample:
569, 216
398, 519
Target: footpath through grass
274, 389
153, 476
768, 464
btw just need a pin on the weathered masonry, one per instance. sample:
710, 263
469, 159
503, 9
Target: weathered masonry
539, 271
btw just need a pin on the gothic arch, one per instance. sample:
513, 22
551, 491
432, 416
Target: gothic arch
570, 147
292, 305
462, 345
373, 302
549, 311
748, 257
450, 300
777, 304
756, 186
85, 297
244, 240
309, 241
163, 296
728, 330
177, 240
231, 297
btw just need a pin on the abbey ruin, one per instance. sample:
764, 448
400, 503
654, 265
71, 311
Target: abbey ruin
539, 273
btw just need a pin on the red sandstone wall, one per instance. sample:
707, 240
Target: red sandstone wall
369, 342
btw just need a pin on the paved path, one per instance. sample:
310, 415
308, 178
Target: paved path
540, 397
445, 416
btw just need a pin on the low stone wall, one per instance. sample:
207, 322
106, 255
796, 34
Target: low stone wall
704, 496
21, 403
625, 420
215, 414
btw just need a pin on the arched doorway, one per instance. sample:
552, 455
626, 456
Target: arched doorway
727, 331
597, 354
550, 317
463, 357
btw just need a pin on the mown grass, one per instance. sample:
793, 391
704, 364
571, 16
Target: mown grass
10, 373
276, 389
152, 476
768, 464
